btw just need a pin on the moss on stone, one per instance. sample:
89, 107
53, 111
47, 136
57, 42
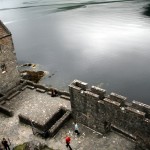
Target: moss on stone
26, 146
20, 147
34, 76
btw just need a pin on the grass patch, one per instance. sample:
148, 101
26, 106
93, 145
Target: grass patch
20, 147
25, 147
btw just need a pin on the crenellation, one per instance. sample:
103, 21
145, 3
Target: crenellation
117, 97
112, 102
88, 93
97, 113
136, 112
142, 107
75, 87
101, 92
111, 109
80, 84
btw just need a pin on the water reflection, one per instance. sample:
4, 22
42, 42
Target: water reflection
105, 43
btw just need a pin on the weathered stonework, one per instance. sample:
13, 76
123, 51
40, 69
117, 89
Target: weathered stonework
9, 75
92, 108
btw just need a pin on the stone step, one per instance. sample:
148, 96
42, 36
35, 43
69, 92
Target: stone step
13, 95
65, 97
24, 87
6, 111
121, 131
40, 90
49, 93
30, 87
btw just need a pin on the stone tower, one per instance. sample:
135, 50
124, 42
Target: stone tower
9, 75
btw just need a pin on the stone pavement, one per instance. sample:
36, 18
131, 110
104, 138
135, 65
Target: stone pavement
19, 133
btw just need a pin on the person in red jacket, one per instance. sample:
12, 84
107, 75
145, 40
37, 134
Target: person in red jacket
68, 139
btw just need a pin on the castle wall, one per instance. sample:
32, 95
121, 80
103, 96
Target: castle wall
94, 109
10, 78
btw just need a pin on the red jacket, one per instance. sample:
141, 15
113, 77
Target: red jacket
68, 139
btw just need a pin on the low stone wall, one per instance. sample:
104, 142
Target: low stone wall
94, 109
14, 91
6, 111
47, 89
52, 126
57, 126
24, 119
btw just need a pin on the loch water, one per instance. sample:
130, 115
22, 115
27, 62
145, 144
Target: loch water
103, 42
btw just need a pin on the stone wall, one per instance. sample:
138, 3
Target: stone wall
94, 109
10, 77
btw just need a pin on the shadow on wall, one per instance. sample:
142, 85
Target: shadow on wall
147, 10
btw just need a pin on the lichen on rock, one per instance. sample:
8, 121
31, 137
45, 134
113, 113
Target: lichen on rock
32, 145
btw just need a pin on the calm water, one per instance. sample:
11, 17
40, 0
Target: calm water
105, 43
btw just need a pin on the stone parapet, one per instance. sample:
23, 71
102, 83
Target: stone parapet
142, 107
101, 92
6, 111
80, 84
94, 109
117, 97
42, 88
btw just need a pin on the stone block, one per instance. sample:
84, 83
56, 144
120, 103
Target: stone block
99, 91
6, 111
49, 93
13, 95
45, 126
80, 84
142, 107
30, 87
118, 98
40, 90
65, 97
57, 126
24, 87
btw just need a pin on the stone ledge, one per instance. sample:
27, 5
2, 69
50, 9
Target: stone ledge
80, 84
57, 126
6, 111
46, 125
135, 111
49, 93
40, 90
117, 97
13, 95
101, 92
112, 102
65, 97
24, 87
75, 87
30, 87
88, 93
119, 130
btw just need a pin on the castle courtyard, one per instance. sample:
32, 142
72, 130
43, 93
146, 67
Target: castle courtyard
39, 106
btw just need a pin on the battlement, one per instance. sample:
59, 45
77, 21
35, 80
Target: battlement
80, 84
91, 107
